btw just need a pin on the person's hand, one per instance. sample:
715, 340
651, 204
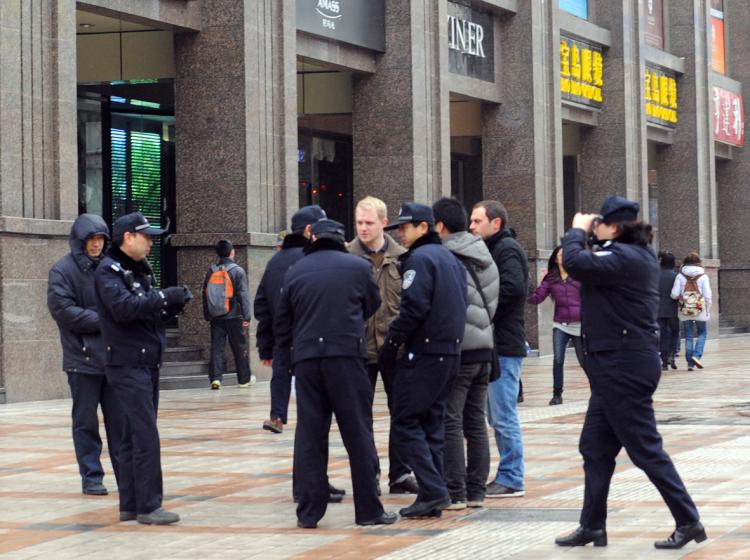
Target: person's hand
267, 362
188, 293
387, 356
583, 221
175, 296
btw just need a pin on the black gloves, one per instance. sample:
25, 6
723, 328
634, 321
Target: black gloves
387, 355
175, 298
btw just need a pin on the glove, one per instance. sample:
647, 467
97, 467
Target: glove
188, 293
175, 296
387, 355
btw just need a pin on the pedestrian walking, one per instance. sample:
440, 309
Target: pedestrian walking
489, 220
692, 290
326, 298
669, 324
619, 302
226, 306
466, 474
565, 292
72, 303
430, 327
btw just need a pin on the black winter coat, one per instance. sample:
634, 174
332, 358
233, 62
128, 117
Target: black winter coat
72, 302
512, 264
667, 305
269, 290
239, 304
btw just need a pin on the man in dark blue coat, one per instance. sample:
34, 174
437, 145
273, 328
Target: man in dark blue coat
71, 301
430, 326
133, 313
320, 330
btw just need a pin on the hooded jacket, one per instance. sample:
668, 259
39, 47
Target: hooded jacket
693, 271
72, 303
388, 279
565, 293
472, 252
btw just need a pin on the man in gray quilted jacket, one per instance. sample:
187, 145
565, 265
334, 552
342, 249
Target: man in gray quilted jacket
465, 415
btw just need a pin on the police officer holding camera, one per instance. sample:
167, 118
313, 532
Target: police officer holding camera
133, 313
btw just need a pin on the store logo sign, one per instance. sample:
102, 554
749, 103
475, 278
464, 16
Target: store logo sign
330, 11
729, 117
471, 42
581, 71
660, 89
358, 22
466, 37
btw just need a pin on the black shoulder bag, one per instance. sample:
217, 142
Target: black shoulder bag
495, 365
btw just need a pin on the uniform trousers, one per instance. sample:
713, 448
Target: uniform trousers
140, 480
421, 391
621, 414
281, 388
339, 386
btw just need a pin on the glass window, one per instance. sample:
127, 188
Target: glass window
578, 8
90, 195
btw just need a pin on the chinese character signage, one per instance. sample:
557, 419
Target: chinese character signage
578, 8
653, 23
358, 22
471, 42
660, 89
729, 117
581, 72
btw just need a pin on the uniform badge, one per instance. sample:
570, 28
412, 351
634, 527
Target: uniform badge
603, 253
409, 277
115, 267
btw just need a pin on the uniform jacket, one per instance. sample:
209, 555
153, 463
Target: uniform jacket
269, 291
619, 293
72, 302
388, 279
132, 312
691, 271
565, 293
325, 300
239, 304
478, 338
510, 336
432, 314
667, 305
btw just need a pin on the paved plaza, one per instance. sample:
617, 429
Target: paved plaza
231, 481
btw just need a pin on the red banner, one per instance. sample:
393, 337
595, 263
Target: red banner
729, 117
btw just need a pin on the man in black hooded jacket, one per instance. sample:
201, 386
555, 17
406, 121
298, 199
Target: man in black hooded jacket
72, 304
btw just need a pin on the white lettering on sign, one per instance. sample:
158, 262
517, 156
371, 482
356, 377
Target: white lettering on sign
465, 36
329, 8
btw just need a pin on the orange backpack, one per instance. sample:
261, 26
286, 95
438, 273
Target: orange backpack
219, 291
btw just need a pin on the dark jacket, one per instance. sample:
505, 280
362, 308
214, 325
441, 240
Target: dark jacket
565, 293
269, 290
432, 315
239, 304
388, 279
325, 300
619, 293
72, 302
510, 336
667, 305
132, 312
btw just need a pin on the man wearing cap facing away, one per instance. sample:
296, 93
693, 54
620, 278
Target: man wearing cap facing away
430, 328
133, 313
320, 329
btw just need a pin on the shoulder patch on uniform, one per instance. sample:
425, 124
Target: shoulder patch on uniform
114, 267
409, 277
602, 253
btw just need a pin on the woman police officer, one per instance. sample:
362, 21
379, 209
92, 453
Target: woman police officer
619, 298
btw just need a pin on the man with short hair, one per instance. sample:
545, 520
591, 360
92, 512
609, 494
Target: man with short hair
489, 220
430, 326
382, 251
466, 477
229, 322
72, 304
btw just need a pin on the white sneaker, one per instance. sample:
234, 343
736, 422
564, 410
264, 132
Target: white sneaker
215, 385
697, 362
455, 506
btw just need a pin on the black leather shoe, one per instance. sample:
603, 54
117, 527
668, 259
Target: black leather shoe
95, 489
159, 516
384, 518
127, 516
332, 498
303, 525
433, 508
583, 536
683, 535
407, 486
333, 490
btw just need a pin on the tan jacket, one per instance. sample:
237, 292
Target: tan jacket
388, 279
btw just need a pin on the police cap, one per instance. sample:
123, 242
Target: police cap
305, 216
618, 209
412, 213
328, 228
134, 222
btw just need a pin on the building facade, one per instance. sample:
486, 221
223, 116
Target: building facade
218, 118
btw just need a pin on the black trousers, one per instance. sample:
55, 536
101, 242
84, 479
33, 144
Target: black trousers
420, 394
621, 414
397, 469
339, 386
668, 328
140, 480
466, 475
221, 329
88, 391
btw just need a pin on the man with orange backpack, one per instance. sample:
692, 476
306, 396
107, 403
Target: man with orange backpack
226, 305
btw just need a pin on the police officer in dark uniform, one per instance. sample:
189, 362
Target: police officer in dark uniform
133, 314
619, 301
430, 326
320, 325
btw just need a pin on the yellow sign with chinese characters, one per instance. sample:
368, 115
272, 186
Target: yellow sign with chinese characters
660, 88
581, 71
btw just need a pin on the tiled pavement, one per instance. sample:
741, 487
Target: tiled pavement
230, 481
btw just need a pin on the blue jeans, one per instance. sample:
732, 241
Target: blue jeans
699, 328
502, 414
559, 344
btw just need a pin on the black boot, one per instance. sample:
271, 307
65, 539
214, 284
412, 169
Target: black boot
683, 535
583, 536
556, 397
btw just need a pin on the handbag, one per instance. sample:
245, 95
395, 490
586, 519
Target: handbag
495, 365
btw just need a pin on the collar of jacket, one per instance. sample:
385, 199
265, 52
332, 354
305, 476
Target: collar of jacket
224, 261
84, 262
392, 249
429, 238
294, 240
496, 237
127, 263
325, 244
